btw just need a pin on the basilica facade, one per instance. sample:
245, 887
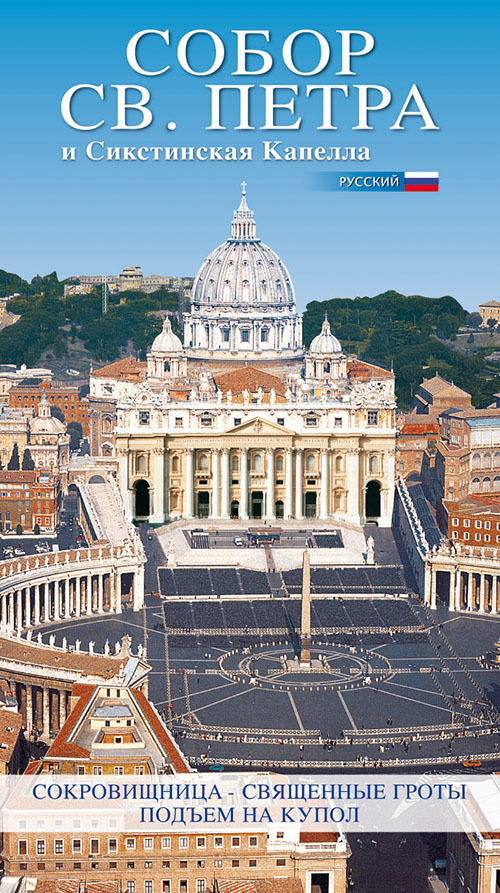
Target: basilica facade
239, 420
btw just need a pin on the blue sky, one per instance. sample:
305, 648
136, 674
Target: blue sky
165, 216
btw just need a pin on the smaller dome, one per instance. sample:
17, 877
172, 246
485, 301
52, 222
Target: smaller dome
325, 342
167, 341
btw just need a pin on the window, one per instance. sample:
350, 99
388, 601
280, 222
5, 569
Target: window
130, 886
252, 863
166, 843
245, 336
166, 864
235, 863
218, 863
280, 862
486, 537
113, 865
97, 770
118, 769
311, 421
130, 843
183, 886
22, 847
235, 841
59, 866
281, 422
144, 418
148, 886
206, 421
454, 534
478, 537
77, 866
148, 843
237, 422
218, 842
372, 417
478, 525
201, 885
466, 522
178, 421
183, 843
201, 841
487, 525
183, 863
338, 421
466, 536
77, 846
148, 865
58, 847
80, 770
252, 841
257, 462
454, 522
200, 863
165, 886
112, 845
130, 864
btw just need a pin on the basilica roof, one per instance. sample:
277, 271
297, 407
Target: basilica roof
358, 370
248, 378
243, 271
128, 369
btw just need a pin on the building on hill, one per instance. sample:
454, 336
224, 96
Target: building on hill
239, 420
434, 395
489, 310
130, 279
66, 397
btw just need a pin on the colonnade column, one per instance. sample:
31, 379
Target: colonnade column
469, 579
188, 484
225, 508
67, 598
100, 594
270, 484
323, 499
19, 610
427, 583
78, 597
215, 483
353, 511
453, 589
46, 602
482, 591
298, 484
244, 484
288, 483
27, 607
433, 587
36, 596
57, 612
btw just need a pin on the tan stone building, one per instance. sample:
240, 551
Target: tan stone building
240, 421
490, 310
436, 394
414, 437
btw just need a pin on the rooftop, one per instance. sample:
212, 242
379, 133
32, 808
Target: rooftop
128, 369
10, 729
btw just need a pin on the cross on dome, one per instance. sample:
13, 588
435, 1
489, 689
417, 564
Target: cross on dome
243, 225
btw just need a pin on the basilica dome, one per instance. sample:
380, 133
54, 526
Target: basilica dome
325, 343
167, 341
243, 271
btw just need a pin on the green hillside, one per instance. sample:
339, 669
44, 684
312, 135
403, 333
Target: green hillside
406, 332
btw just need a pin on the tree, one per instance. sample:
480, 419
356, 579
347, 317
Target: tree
28, 461
491, 323
75, 432
13, 464
19, 530
57, 413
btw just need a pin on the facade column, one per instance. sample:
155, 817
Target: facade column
62, 708
36, 596
452, 596
188, 484
288, 483
215, 483
123, 478
46, 602
323, 499
298, 484
100, 594
353, 508
11, 610
138, 588
89, 593
270, 513
158, 516
244, 484
225, 507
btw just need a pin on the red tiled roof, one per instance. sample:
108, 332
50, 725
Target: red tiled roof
73, 885
249, 378
127, 369
260, 885
425, 427
358, 370
318, 836
10, 729
164, 737
100, 665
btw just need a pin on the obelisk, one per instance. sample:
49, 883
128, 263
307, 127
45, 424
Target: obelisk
305, 626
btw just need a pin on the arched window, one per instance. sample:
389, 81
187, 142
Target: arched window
235, 464
487, 460
326, 368
166, 366
140, 464
476, 460
310, 462
279, 463
496, 460
175, 464
338, 501
486, 485
496, 483
257, 462
373, 464
203, 462
107, 424
475, 485
339, 463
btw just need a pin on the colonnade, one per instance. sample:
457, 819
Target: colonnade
43, 706
472, 588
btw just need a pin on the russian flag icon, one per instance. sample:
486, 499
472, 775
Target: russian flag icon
421, 181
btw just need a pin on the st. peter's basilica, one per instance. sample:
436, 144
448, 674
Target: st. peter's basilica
240, 420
